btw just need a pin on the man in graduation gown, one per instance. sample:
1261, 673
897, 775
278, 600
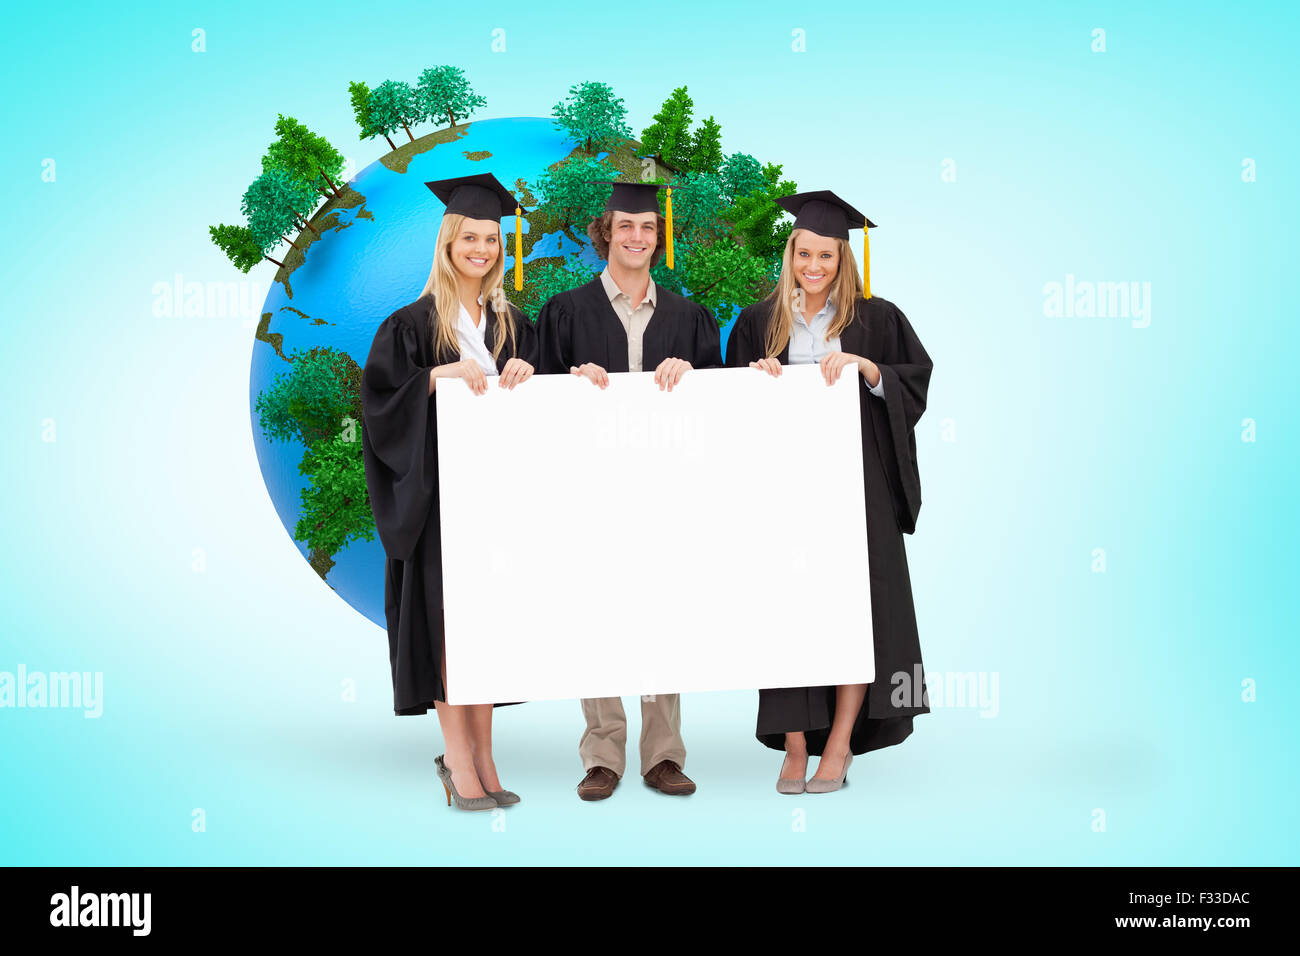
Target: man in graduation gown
622, 322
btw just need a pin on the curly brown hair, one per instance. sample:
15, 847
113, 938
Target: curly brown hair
599, 229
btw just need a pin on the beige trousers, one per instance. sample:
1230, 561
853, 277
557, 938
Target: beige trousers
604, 742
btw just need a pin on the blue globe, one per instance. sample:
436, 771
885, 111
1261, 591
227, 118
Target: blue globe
371, 258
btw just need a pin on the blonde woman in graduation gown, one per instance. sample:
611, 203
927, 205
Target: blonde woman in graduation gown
821, 312
462, 327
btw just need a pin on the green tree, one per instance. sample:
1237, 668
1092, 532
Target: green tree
335, 505
393, 104
445, 91
698, 203
239, 246
756, 218
669, 136
723, 277
706, 148
720, 275
270, 224
741, 174
314, 400
305, 156
592, 114
360, 93
275, 201
565, 191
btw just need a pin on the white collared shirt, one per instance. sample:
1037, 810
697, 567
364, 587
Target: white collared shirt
472, 341
808, 342
635, 318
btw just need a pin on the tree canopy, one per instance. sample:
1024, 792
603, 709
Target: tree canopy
445, 91
303, 155
566, 190
593, 115
238, 244
393, 104
669, 136
336, 504
313, 399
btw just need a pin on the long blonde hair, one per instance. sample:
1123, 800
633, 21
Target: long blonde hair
845, 292
443, 286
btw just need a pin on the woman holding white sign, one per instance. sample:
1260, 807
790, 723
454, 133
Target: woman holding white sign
460, 327
822, 312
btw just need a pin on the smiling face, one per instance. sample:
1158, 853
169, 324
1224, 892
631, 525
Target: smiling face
816, 261
632, 239
476, 248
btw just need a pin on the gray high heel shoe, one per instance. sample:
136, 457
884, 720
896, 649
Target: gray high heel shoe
462, 803
791, 785
816, 785
504, 798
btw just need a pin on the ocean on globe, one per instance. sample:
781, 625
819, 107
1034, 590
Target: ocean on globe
373, 256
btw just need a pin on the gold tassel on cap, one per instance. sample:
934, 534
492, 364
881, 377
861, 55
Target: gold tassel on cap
519, 250
866, 264
668, 216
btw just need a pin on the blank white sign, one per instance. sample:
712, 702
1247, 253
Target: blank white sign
631, 541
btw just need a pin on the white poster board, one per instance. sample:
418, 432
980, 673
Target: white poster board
635, 541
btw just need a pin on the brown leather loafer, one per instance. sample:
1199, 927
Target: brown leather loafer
667, 777
598, 784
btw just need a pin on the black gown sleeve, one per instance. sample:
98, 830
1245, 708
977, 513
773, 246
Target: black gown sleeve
740, 343
708, 337
398, 436
905, 368
554, 327
526, 343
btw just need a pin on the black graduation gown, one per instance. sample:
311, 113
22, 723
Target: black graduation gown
399, 445
581, 326
892, 486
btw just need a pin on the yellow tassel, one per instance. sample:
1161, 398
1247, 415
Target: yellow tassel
866, 264
668, 215
519, 250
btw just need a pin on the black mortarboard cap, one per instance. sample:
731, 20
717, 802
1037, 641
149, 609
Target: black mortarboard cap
478, 197
824, 213
632, 197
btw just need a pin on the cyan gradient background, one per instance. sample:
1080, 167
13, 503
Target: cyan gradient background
1118, 691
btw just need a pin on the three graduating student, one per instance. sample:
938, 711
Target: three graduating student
462, 327
822, 312
620, 322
